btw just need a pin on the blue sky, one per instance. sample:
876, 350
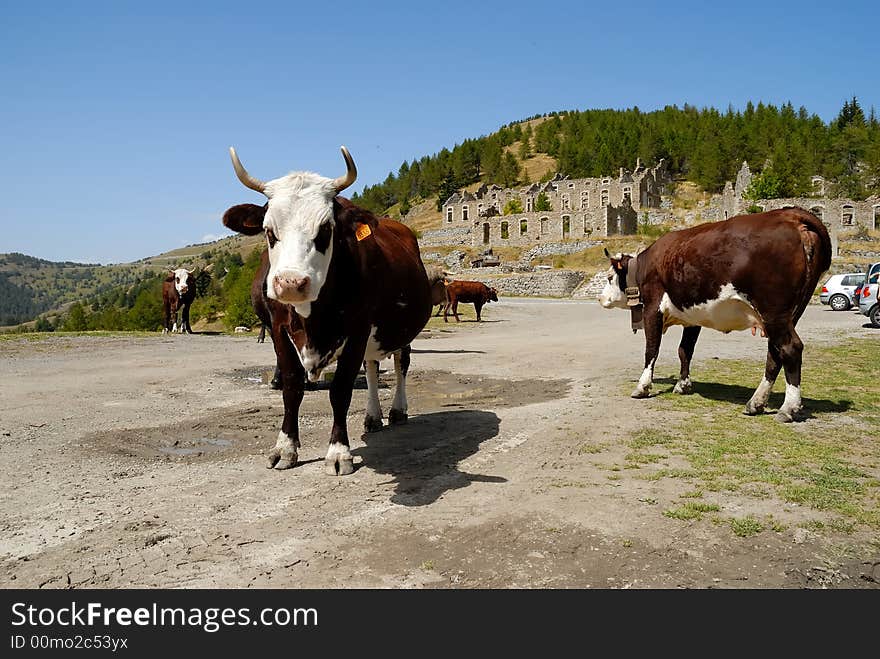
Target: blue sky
115, 117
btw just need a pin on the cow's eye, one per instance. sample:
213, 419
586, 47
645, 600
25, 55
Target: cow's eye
271, 237
322, 240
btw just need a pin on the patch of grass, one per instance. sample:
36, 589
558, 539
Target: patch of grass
592, 448
693, 494
637, 458
745, 527
691, 510
649, 437
427, 565
816, 464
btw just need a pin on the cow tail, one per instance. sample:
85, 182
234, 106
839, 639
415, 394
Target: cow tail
817, 250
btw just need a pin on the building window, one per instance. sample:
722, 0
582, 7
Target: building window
818, 211
479, 209
606, 181
847, 217
545, 224
504, 231
604, 198
585, 199
818, 184
523, 226
566, 226
627, 194
529, 204
571, 185
587, 229
494, 196
485, 233
566, 202
876, 217
464, 213
449, 213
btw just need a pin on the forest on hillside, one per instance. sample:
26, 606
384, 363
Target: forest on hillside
225, 295
705, 146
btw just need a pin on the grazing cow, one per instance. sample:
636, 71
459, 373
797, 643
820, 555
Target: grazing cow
467, 291
340, 285
751, 271
438, 279
178, 293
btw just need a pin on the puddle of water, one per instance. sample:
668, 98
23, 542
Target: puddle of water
200, 446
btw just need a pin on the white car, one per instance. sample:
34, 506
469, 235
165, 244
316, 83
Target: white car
839, 292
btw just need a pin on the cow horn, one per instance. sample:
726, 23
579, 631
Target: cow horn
248, 180
344, 181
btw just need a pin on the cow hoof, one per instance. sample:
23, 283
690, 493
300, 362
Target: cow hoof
339, 465
396, 417
684, 387
640, 393
281, 459
275, 384
787, 416
752, 409
373, 423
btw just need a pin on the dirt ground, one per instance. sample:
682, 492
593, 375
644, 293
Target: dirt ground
139, 462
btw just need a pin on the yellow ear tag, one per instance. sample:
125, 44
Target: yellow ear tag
362, 231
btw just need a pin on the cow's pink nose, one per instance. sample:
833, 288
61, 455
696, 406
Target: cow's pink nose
284, 284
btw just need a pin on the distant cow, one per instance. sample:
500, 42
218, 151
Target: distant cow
438, 278
340, 285
749, 272
467, 291
178, 293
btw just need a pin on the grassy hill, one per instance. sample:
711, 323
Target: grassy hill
30, 287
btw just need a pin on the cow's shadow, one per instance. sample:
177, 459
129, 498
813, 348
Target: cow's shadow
738, 394
422, 455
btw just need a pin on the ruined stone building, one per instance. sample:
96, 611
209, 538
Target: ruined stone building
579, 208
836, 213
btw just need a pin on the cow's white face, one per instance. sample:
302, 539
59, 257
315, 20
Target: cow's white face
613, 295
181, 280
299, 233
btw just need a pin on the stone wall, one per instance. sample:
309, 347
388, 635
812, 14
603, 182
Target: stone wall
550, 283
445, 236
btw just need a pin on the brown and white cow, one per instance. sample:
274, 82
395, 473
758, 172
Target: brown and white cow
340, 285
749, 272
178, 293
467, 291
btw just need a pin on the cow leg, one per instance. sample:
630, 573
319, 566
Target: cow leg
373, 418
478, 307
791, 349
455, 311
284, 455
440, 307
398, 405
338, 460
184, 322
759, 399
653, 333
689, 337
446, 308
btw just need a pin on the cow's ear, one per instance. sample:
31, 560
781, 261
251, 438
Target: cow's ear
245, 218
607, 253
351, 217
170, 276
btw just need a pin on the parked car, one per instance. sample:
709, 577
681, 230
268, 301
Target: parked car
869, 304
839, 292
